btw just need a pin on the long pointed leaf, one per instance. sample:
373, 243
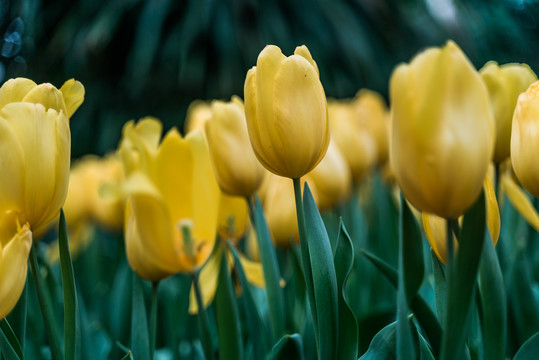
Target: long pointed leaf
290, 347
140, 342
10, 346
324, 278
71, 313
344, 262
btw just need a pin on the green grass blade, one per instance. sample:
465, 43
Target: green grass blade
71, 314
10, 346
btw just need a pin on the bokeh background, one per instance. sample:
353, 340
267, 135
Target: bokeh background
153, 57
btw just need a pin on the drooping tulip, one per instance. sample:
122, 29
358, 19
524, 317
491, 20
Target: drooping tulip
286, 111
238, 171
442, 131
172, 200
505, 83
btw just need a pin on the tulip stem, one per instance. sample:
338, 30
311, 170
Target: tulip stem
305, 256
153, 318
45, 305
203, 319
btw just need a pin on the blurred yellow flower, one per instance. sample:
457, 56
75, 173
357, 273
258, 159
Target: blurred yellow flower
233, 220
442, 131
286, 111
373, 115
15, 244
237, 170
505, 83
525, 139
198, 113
172, 200
355, 142
332, 178
436, 227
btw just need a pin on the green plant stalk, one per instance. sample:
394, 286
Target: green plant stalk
306, 259
203, 319
45, 305
153, 318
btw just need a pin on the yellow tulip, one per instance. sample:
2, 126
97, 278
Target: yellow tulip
237, 170
505, 83
524, 139
172, 200
332, 178
15, 244
286, 111
354, 141
66, 100
233, 219
436, 227
373, 115
442, 131
198, 113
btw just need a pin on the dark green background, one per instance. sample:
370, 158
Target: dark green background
154, 57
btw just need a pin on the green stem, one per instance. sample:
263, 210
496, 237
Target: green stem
153, 318
45, 305
306, 259
203, 320
449, 244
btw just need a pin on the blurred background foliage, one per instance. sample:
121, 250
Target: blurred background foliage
153, 57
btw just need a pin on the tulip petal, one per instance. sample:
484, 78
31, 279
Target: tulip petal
12, 166
14, 90
46, 140
520, 201
13, 268
436, 230
233, 217
493, 212
47, 95
304, 52
207, 280
253, 271
73, 93
300, 113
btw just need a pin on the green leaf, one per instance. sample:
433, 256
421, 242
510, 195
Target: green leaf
421, 309
128, 356
411, 271
254, 322
323, 277
493, 303
289, 347
228, 322
383, 344
440, 286
529, 350
461, 283
71, 314
17, 317
272, 276
140, 342
10, 346
344, 261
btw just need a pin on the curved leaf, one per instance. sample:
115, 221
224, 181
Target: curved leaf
290, 347
529, 350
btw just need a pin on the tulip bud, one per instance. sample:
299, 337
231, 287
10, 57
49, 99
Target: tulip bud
373, 115
332, 179
237, 170
442, 131
172, 200
505, 83
286, 111
524, 139
15, 244
354, 141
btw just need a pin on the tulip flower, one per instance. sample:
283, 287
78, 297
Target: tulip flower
15, 244
373, 115
524, 139
436, 227
505, 83
442, 131
198, 113
286, 111
172, 200
355, 142
238, 171
332, 178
